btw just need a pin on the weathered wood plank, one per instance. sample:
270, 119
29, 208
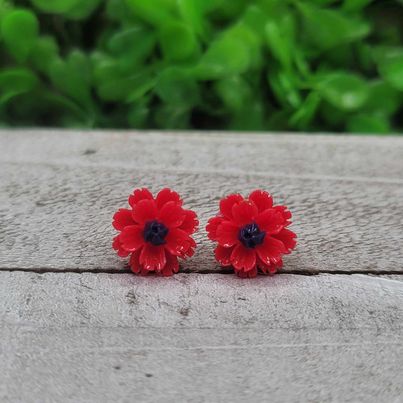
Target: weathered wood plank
352, 157
56, 200
100, 338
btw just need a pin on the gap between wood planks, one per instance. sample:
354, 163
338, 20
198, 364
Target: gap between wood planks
44, 270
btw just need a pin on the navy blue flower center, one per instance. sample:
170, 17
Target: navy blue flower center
251, 236
155, 233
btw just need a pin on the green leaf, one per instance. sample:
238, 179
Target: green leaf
118, 10
322, 3
16, 81
128, 41
44, 52
131, 47
255, 18
228, 9
285, 87
383, 99
224, 57
192, 12
62, 103
355, 5
138, 115
175, 86
156, 12
233, 53
19, 29
39, 103
141, 89
111, 84
368, 124
73, 77
390, 65
303, 117
82, 9
327, 28
234, 92
172, 116
123, 88
310, 65
5, 7
55, 6
333, 117
280, 41
249, 118
178, 42
343, 90
364, 57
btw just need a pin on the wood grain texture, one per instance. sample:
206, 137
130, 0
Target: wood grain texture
200, 338
357, 158
59, 190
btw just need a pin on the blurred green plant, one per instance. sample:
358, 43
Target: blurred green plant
313, 65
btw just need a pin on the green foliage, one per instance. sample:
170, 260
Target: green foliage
311, 65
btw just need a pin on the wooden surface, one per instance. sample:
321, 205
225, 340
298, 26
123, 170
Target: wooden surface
200, 338
58, 192
75, 327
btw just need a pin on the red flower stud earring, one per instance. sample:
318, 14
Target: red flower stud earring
155, 232
251, 233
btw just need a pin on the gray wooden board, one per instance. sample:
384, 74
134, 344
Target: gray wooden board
200, 338
97, 337
59, 190
358, 158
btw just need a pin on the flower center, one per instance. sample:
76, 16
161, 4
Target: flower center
251, 236
155, 233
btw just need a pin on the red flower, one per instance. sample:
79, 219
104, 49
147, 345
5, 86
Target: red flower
251, 233
155, 232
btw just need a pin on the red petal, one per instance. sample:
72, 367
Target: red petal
243, 258
134, 262
270, 250
223, 255
190, 222
269, 269
287, 237
227, 234
145, 272
228, 202
144, 210
171, 266
117, 245
171, 215
140, 194
247, 274
212, 226
136, 266
285, 213
132, 238
152, 257
122, 218
178, 242
190, 252
166, 195
262, 200
244, 212
270, 221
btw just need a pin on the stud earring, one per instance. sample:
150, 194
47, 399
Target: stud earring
155, 232
251, 233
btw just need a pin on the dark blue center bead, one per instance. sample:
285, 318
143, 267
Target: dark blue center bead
251, 236
155, 233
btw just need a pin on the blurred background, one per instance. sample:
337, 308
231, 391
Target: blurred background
274, 65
